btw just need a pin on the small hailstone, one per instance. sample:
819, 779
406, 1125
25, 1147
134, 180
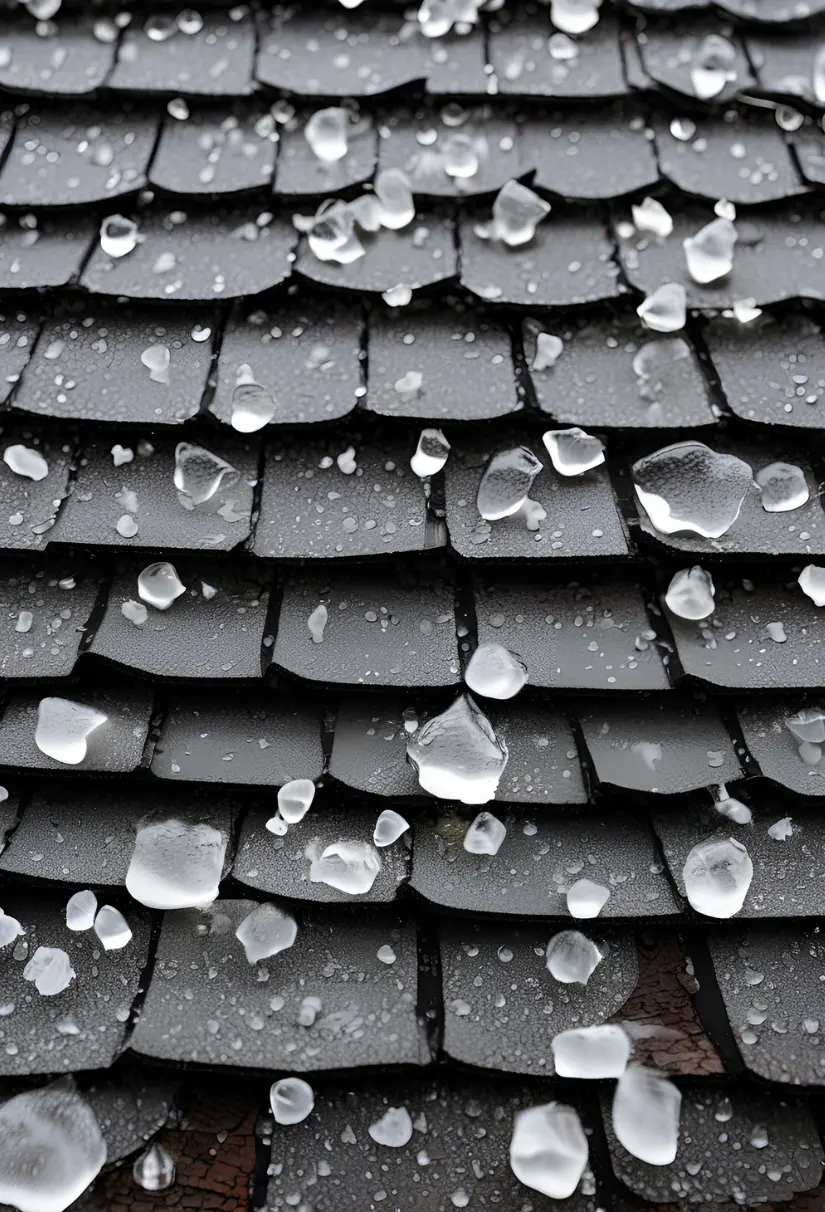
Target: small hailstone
295, 800
135, 612
690, 594
811, 581
122, 455
291, 1100
389, 827
781, 830
665, 309
586, 899
650, 216
549, 349
485, 835
26, 462
394, 1129
80, 910
317, 622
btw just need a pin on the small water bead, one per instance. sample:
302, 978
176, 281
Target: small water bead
176, 864
548, 1149
691, 593
494, 672
689, 487
51, 971
118, 236
591, 1052
572, 957
63, 729
199, 474
517, 212
549, 349
25, 462
291, 1100
266, 931
431, 454
665, 310
295, 800
651, 218
389, 827
709, 253
586, 899
327, 133
783, 487
154, 1170
394, 1129
317, 623
457, 754
81, 909
350, 867
572, 451
485, 835
646, 1114
159, 585
717, 877
811, 581
713, 66
506, 483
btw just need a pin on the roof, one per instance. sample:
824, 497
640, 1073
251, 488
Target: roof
412, 563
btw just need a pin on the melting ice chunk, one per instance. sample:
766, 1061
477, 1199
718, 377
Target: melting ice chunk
713, 66
812, 583
80, 910
291, 1100
495, 672
394, 1129
646, 1112
326, 132
548, 1149
155, 1169
651, 217
118, 236
709, 254
332, 235
393, 191
199, 473
506, 481
26, 462
112, 928
431, 454
717, 877
572, 451
731, 808
389, 827
51, 970
159, 585
689, 487
252, 405
690, 594
266, 931
176, 864
457, 755
783, 487
317, 623
549, 349
157, 360
665, 310
485, 834
63, 728
295, 800
350, 867
781, 830
808, 725
52, 1148
591, 1052
10, 929
517, 212
572, 957
586, 899
574, 16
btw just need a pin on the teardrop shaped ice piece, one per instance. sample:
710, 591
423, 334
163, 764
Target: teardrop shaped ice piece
495, 672
159, 585
295, 800
548, 1149
154, 1170
572, 451
51, 970
517, 212
713, 66
389, 827
317, 623
709, 254
689, 487
24, 461
574, 16
327, 133
10, 929
646, 1113
690, 594
351, 867
665, 310
118, 236
783, 487
485, 835
80, 910
506, 481
717, 876
199, 473
63, 728
586, 899
266, 931
812, 583
176, 864
52, 1148
572, 957
591, 1052
332, 235
431, 454
393, 191
252, 405
457, 755
291, 1100
112, 928
394, 1129
652, 218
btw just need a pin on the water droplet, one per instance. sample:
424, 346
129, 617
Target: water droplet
506, 482
112, 928
713, 66
52, 1148
485, 835
157, 359
154, 1170
574, 16
159, 585
394, 1129
266, 931
812, 583
591, 1052
689, 487
646, 1113
651, 218
431, 454
118, 236
51, 970
517, 212
690, 594
586, 899
252, 405
291, 1100
80, 910
295, 800
717, 877
63, 728
664, 310
783, 487
199, 473
317, 622
709, 254
327, 133
495, 673
548, 1149
549, 349
572, 957
350, 867
176, 864
457, 755
572, 451
26, 462
389, 828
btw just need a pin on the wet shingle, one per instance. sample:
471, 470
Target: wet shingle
210, 55
43, 617
379, 631
502, 1006
784, 62
300, 171
62, 57
130, 1110
197, 255
781, 756
530, 61
31, 506
84, 1027
456, 153
590, 154
216, 150
440, 365
328, 1002
40, 251
809, 146
18, 333
88, 365
667, 746
542, 856
595, 636
248, 738
299, 363
678, 57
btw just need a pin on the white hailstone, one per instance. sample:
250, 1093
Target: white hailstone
317, 622
651, 217
431, 454
159, 585
783, 487
176, 864
295, 800
646, 1112
586, 899
350, 867
389, 827
199, 474
112, 928
485, 835
781, 830
572, 957
394, 1129
24, 461
494, 672
572, 451
327, 133
266, 931
549, 349
81, 909
591, 1052
665, 310
155, 1169
690, 594
505, 483
812, 583
118, 236
51, 970
63, 728
549, 1150
457, 755
135, 612
10, 929
717, 876
709, 253
291, 1100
